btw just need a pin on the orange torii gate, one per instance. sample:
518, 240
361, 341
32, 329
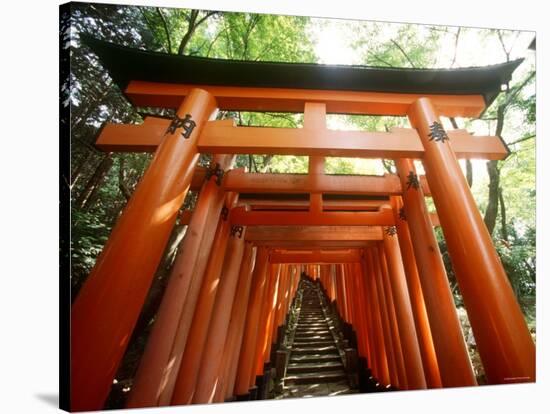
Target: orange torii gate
368, 240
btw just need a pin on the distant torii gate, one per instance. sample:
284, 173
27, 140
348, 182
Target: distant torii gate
374, 233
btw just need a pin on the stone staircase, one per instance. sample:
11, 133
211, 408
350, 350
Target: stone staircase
315, 365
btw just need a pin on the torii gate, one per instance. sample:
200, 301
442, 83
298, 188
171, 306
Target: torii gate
373, 226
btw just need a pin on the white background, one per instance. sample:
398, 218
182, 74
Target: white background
29, 203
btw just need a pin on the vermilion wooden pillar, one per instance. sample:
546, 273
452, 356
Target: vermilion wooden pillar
341, 300
347, 292
403, 310
393, 319
211, 365
333, 281
391, 340
382, 350
194, 347
350, 284
281, 300
502, 337
361, 311
360, 270
291, 272
427, 350
108, 305
323, 276
266, 349
236, 326
157, 358
347, 304
246, 357
373, 346
453, 360
169, 375
371, 360
266, 317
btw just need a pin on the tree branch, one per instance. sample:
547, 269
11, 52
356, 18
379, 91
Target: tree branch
246, 38
193, 24
404, 53
190, 29
282, 116
456, 46
149, 25
379, 59
516, 90
214, 41
206, 16
522, 139
506, 52
165, 25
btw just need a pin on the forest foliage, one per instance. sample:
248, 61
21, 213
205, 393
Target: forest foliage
101, 183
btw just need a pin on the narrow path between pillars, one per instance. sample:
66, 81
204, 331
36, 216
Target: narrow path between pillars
315, 363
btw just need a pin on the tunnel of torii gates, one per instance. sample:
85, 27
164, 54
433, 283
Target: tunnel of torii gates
369, 240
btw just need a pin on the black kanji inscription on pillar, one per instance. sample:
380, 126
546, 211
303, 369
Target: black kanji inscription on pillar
437, 133
224, 213
216, 171
402, 215
412, 181
391, 230
237, 230
186, 123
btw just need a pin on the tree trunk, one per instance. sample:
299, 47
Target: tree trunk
469, 173
494, 179
190, 30
503, 227
121, 184
492, 204
78, 171
267, 159
89, 192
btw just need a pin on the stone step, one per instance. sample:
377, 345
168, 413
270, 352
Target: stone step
302, 324
302, 367
314, 350
312, 331
313, 338
307, 326
308, 344
309, 319
315, 358
313, 335
315, 377
316, 390
313, 344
